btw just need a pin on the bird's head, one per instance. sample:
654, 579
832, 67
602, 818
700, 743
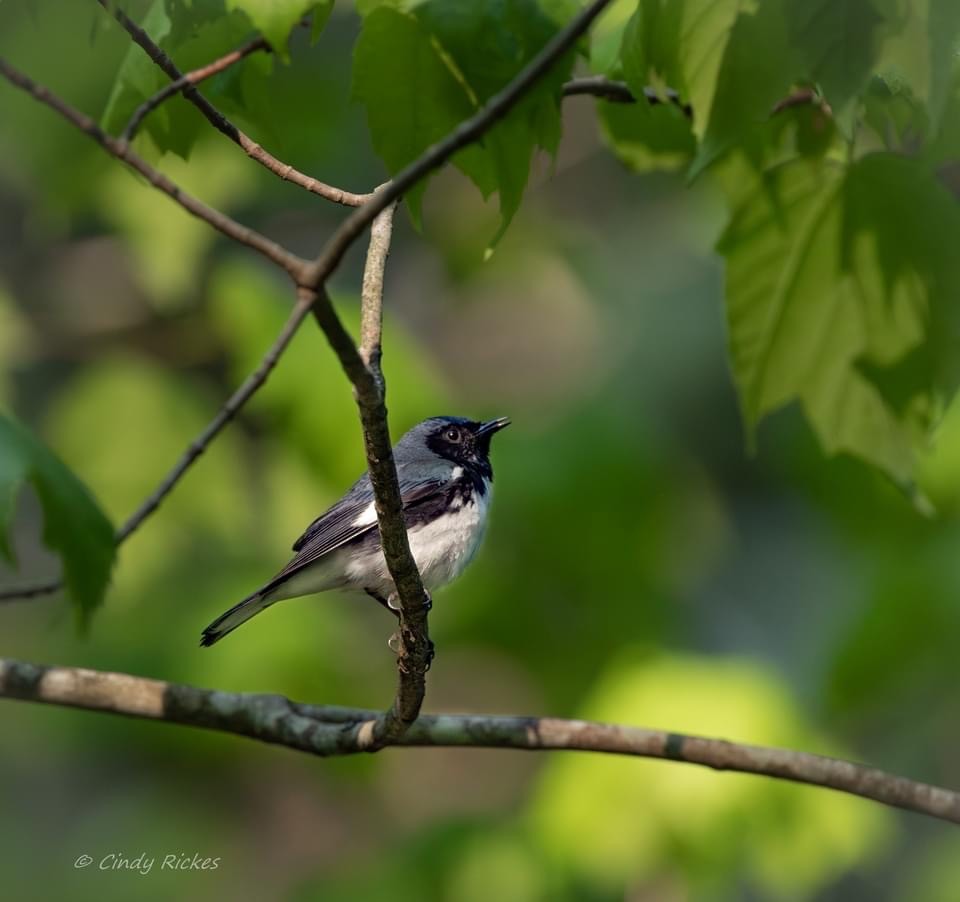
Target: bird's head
456, 439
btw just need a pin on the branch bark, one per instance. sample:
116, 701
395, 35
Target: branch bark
328, 731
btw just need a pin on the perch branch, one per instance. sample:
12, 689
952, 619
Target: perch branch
329, 731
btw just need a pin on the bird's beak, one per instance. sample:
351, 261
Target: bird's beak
492, 426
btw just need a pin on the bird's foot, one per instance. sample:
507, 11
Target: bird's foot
428, 604
395, 644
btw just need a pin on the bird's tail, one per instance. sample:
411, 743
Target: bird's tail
238, 614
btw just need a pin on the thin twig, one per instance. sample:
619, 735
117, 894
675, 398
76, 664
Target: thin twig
25, 593
191, 78
242, 234
328, 731
224, 415
619, 92
222, 124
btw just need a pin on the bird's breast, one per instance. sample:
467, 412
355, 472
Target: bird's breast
444, 543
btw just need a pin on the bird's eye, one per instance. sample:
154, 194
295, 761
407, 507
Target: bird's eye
453, 434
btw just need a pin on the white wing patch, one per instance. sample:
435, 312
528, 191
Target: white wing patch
442, 548
367, 516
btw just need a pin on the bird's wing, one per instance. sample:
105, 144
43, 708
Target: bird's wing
348, 519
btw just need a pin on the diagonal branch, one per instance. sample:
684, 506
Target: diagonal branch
222, 124
331, 731
242, 234
190, 79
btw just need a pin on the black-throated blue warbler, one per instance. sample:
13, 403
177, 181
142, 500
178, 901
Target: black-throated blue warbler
443, 465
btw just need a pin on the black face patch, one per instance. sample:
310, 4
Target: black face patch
456, 440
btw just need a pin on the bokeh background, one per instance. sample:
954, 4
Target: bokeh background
641, 565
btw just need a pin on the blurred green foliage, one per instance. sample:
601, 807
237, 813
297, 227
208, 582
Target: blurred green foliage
641, 567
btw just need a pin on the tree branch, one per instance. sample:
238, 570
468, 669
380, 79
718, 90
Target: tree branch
190, 78
242, 234
330, 730
222, 124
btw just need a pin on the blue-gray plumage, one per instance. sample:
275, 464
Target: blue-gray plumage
443, 466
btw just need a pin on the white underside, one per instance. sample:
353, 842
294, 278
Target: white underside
442, 549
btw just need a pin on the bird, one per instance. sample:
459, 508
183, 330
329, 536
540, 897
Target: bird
446, 483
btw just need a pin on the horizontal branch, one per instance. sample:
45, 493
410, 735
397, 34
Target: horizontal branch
330, 730
222, 124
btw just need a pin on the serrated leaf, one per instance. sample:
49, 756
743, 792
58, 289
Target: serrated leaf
832, 274
74, 525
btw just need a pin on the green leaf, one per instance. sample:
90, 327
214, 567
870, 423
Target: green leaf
759, 66
74, 525
680, 44
834, 277
921, 51
488, 44
411, 96
321, 15
943, 30
275, 19
606, 36
837, 44
647, 137
192, 35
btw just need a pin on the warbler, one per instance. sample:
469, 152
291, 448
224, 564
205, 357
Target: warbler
446, 480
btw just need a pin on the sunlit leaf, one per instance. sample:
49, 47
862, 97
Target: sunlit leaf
832, 278
680, 44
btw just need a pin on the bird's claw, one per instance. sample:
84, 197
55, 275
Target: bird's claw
395, 644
